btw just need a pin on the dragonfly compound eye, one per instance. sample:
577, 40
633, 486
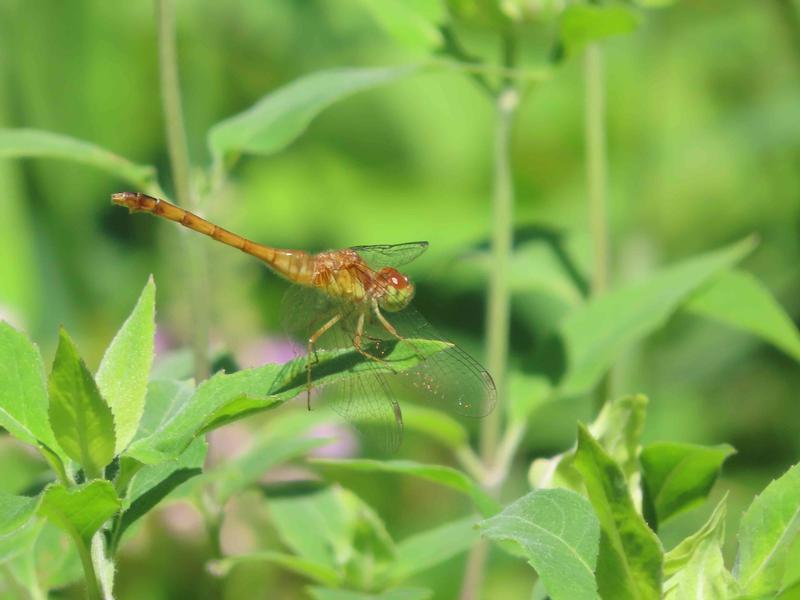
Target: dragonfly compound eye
397, 290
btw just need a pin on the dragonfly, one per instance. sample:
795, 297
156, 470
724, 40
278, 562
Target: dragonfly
356, 299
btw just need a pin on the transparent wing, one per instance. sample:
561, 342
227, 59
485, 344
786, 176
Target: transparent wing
450, 379
365, 399
390, 255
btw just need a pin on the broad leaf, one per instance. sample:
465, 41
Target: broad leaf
125, 368
585, 23
430, 548
82, 421
740, 300
82, 510
703, 574
318, 593
319, 572
224, 398
768, 529
281, 116
596, 333
559, 534
23, 396
442, 475
680, 555
629, 564
33, 143
678, 477
410, 22
435, 424
15, 511
164, 399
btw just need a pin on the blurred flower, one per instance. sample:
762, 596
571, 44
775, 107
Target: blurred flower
267, 350
343, 444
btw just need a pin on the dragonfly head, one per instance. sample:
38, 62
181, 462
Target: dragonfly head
396, 289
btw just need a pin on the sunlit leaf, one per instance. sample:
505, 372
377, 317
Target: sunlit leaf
740, 300
629, 564
442, 475
34, 143
413, 23
678, 476
82, 510
768, 529
596, 333
125, 368
82, 422
559, 534
680, 555
585, 23
281, 116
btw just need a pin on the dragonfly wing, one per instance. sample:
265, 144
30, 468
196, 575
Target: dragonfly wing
390, 255
451, 378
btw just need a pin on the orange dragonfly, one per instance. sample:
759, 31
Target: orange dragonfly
344, 299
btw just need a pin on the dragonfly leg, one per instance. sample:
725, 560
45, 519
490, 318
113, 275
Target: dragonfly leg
358, 345
386, 325
311, 350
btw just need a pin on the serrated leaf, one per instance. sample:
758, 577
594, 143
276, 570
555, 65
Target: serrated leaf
15, 511
397, 594
629, 563
82, 510
768, 529
559, 534
34, 143
678, 476
82, 422
125, 368
680, 555
596, 333
318, 572
702, 574
442, 475
23, 396
740, 300
281, 116
425, 550
585, 23
413, 23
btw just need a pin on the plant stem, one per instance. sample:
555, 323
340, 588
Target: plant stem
597, 183
474, 571
93, 591
498, 309
181, 168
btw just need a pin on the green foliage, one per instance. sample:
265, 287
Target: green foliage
768, 529
396, 594
15, 511
280, 117
412, 23
32, 143
559, 534
123, 372
630, 561
82, 510
582, 24
82, 421
678, 477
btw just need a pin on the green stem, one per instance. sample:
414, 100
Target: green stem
499, 298
181, 171
93, 590
597, 183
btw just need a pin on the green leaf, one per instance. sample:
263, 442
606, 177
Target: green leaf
740, 300
442, 475
559, 534
82, 510
281, 116
527, 393
15, 511
23, 396
629, 564
81, 420
225, 398
596, 333
678, 477
321, 573
680, 555
33, 143
124, 370
164, 399
768, 529
435, 424
582, 24
703, 574
413, 23
396, 594
430, 548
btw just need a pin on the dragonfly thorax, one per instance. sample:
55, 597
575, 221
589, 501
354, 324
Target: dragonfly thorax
393, 290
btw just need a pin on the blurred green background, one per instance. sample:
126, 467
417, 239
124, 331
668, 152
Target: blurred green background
704, 148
